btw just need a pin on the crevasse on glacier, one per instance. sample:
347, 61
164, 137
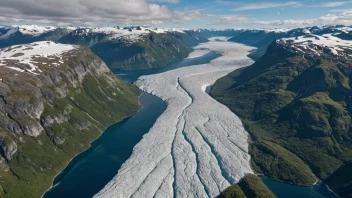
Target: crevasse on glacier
197, 147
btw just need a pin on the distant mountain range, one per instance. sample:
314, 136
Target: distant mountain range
121, 48
126, 48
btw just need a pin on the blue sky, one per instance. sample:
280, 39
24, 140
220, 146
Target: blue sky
258, 10
178, 13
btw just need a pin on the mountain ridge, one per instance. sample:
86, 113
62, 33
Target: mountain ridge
295, 103
56, 99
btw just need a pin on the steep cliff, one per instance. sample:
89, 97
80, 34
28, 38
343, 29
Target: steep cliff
54, 100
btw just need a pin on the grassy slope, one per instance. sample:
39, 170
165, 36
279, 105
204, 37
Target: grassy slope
250, 186
92, 108
293, 108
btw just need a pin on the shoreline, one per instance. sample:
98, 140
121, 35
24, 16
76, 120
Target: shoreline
207, 89
317, 183
90, 145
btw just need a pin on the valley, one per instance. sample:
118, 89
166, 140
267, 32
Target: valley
289, 87
198, 146
99, 164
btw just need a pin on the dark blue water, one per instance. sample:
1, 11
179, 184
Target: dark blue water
286, 190
92, 170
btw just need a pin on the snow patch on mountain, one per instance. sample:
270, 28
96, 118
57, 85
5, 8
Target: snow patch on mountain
344, 29
27, 58
197, 147
7, 32
317, 45
35, 30
129, 34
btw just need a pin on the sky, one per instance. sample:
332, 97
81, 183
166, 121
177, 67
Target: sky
177, 13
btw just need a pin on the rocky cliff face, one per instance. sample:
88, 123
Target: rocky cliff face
54, 100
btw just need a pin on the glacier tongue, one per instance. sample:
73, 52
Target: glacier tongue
197, 147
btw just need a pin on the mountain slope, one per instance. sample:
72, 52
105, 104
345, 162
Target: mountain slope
296, 99
155, 50
121, 48
261, 38
135, 48
30, 33
250, 186
55, 100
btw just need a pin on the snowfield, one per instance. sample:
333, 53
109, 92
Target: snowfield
197, 147
316, 45
23, 58
34, 30
129, 34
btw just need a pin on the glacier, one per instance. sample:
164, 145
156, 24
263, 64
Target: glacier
197, 147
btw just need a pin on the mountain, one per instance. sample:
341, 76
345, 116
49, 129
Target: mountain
55, 100
261, 38
133, 48
122, 48
189, 37
15, 35
295, 102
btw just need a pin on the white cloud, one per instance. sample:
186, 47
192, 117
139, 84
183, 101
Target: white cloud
165, 1
340, 10
331, 4
233, 20
227, 3
344, 18
142, 12
257, 6
82, 12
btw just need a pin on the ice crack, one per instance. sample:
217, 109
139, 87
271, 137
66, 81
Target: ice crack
224, 173
197, 160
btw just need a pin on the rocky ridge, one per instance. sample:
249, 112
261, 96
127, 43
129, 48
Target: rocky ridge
55, 99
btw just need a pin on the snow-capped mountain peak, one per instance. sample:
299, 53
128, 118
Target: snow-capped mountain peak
318, 44
29, 57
